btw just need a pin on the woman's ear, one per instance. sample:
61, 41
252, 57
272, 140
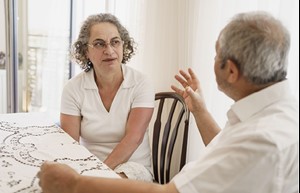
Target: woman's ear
233, 71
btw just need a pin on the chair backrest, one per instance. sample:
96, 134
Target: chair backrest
170, 130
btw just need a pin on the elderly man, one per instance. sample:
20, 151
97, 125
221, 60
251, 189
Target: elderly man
257, 151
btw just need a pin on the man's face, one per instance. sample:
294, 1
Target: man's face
220, 71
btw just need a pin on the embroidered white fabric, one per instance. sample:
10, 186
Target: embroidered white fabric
29, 139
135, 171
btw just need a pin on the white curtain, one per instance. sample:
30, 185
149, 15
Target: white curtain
177, 34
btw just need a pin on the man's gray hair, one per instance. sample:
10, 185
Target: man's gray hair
258, 44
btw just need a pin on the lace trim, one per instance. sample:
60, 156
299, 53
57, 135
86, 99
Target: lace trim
135, 171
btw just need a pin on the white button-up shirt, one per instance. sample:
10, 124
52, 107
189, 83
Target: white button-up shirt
256, 152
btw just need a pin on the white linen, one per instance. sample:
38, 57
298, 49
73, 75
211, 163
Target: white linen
29, 139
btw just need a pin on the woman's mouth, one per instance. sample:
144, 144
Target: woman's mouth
109, 60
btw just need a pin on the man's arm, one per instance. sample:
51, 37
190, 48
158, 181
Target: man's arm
206, 124
60, 178
104, 185
194, 99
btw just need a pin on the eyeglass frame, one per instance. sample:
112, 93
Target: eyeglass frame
105, 46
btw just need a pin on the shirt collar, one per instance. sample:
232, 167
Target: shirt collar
248, 106
89, 80
130, 78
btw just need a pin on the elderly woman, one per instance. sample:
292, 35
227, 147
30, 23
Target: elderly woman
108, 106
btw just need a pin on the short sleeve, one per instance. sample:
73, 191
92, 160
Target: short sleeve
70, 100
144, 94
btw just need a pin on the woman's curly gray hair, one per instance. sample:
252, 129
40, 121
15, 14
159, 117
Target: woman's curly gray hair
80, 47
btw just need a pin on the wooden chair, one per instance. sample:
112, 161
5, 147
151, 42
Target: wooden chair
170, 130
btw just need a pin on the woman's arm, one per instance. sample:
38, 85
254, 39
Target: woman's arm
138, 121
71, 125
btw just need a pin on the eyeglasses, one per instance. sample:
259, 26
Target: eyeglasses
101, 45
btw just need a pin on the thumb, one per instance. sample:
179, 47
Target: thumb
190, 92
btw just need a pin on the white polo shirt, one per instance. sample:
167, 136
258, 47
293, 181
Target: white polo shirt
257, 151
101, 131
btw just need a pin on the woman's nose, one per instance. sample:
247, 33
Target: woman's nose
108, 49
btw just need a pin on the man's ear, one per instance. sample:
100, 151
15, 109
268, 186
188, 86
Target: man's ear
233, 71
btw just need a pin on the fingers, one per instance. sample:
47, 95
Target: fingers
40, 173
183, 82
44, 165
192, 73
186, 79
177, 90
189, 91
185, 75
39, 176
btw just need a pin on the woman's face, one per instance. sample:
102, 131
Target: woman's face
105, 46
